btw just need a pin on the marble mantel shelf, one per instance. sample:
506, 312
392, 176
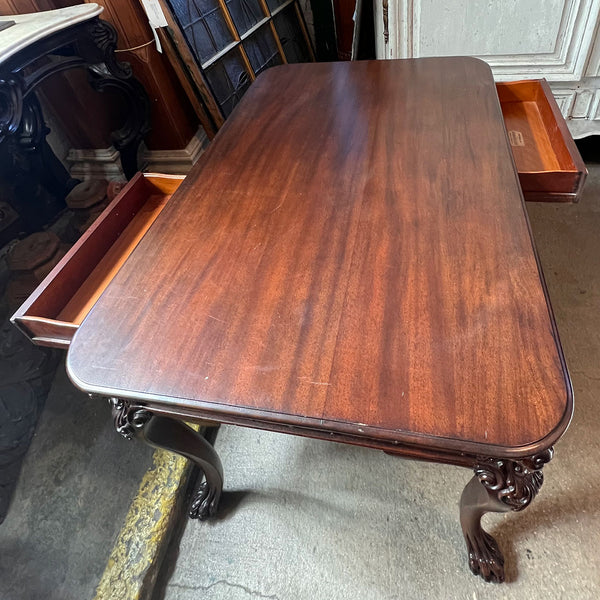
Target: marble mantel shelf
30, 28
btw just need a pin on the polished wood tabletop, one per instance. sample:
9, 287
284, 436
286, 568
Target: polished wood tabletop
351, 257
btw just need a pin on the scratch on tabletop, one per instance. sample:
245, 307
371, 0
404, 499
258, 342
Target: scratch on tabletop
307, 380
215, 318
277, 207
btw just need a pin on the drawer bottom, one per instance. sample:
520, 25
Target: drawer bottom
52, 314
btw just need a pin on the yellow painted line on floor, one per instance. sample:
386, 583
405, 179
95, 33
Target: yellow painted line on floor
135, 558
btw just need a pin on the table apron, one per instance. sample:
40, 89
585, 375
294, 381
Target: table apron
462, 459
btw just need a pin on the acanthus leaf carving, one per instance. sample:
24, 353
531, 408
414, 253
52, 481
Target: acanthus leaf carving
128, 417
515, 483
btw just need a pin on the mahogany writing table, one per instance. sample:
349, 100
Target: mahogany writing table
351, 260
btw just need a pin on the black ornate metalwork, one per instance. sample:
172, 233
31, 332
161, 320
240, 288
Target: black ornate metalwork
11, 105
102, 51
499, 485
34, 180
127, 138
128, 418
88, 45
32, 129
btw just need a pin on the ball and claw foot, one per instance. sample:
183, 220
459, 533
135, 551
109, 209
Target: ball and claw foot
499, 485
485, 558
205, 502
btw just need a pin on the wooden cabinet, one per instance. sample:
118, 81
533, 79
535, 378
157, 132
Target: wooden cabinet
557, 40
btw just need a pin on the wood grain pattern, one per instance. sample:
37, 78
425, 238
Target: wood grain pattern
358, 263
97, 281
548, 161
51, 314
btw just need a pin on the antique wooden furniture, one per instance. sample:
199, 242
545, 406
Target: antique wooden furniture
357, 267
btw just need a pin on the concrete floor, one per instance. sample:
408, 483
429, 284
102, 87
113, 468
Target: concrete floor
305, 519
75, 488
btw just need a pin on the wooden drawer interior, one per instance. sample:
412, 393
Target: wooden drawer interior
53, 312
549, 164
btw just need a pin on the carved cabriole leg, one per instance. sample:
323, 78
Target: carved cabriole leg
170, 434
499, 485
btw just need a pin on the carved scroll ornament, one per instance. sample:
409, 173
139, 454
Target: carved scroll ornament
516, 483
11, 105
128, 418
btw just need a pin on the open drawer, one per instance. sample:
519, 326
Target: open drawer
549, 164
54, 311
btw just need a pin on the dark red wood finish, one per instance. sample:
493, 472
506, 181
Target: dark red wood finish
351, 260
548, 162
80, 274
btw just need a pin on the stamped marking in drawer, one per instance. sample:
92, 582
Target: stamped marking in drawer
516, 138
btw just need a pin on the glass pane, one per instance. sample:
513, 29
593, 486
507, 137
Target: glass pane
228, 80
262, 50
203, 25
291, 36
273, 4
245, 13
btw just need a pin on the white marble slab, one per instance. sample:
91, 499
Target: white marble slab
35, 26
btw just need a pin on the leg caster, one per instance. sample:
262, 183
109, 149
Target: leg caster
176, 436
499, 485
